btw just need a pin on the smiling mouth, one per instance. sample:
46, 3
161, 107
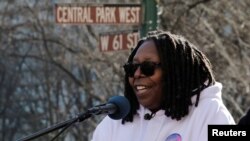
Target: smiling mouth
141, 89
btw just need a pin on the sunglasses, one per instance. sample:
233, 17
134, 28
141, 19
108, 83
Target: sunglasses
147, 68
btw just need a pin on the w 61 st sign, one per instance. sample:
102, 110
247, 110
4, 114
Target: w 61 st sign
115, 42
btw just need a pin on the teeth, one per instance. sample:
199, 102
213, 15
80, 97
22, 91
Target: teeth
140, 87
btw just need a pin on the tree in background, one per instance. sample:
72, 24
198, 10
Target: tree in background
220, 29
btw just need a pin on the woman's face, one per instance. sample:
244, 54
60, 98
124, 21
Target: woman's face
148, 89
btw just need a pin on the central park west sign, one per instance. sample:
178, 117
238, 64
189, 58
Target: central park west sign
104, 14
98, 14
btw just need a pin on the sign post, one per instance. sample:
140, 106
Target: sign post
150, 16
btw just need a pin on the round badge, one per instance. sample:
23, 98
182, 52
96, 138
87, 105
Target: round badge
174, 137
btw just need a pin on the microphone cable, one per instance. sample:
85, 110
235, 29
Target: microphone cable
78, 118
66, 127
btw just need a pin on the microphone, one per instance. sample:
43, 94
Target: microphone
117, 107
148, 116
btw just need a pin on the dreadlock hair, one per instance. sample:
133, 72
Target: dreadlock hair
186, 72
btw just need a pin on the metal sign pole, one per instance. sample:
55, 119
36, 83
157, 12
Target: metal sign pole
150, 16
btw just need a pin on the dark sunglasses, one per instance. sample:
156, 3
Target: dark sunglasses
147, 68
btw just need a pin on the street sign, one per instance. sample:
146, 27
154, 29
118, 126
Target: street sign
118, 41
98, 14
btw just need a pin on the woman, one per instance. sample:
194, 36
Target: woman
172, 92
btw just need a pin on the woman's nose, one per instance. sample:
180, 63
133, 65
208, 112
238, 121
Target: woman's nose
137, 72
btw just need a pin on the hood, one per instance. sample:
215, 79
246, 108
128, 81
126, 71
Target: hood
213, 91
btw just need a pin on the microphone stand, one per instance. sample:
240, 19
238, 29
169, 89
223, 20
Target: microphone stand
78, 118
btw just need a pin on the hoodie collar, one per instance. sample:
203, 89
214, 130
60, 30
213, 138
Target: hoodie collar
142, 111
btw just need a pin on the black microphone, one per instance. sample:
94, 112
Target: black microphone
117, 107
148, 116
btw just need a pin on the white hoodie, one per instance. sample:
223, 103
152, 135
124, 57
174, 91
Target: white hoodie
192, 127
